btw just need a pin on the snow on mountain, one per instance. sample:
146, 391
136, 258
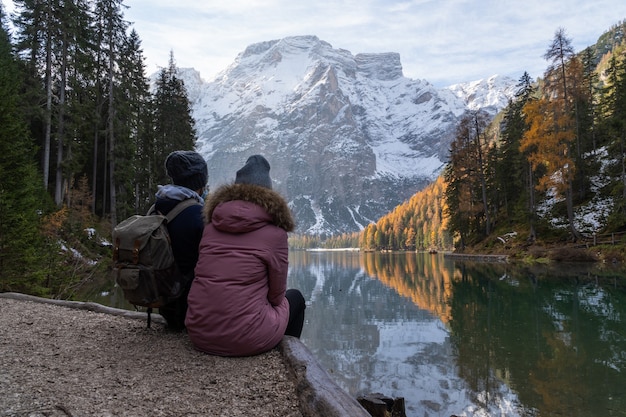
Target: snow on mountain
348, 136
491, 95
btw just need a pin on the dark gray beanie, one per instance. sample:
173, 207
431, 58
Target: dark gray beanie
256, 171
187, 169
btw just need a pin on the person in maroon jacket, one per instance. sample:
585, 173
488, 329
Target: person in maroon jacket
239, 304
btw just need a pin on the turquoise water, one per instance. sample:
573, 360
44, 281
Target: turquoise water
468, 339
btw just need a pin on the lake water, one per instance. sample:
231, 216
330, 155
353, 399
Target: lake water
465, 339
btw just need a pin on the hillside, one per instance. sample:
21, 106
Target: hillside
597, 197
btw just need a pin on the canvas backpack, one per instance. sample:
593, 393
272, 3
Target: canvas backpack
143, 260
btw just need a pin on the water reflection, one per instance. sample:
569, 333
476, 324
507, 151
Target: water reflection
464, 339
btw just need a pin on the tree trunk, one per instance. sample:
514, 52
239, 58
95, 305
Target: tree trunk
58, 189
483, 181
48, 120
623, 154
531, 204
111, 131
570, 210
94, 170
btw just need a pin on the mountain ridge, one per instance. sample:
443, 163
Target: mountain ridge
348, 136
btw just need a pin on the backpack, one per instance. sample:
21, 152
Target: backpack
143, 260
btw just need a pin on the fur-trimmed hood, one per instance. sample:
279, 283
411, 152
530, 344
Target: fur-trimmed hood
271, 201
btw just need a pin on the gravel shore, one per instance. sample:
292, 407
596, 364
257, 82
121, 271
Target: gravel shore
82, 359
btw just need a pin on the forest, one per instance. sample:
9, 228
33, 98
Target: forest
557, 150
84, 133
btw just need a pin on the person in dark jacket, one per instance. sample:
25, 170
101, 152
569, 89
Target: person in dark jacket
189, 174
238, 302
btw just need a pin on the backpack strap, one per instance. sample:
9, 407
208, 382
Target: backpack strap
176, 210
180, 207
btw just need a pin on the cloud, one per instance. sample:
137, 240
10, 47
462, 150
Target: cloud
442, 41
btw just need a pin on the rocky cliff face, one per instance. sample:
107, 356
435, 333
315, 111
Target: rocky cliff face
348, 136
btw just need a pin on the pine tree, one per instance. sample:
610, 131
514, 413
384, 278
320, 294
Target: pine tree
461, 187
39, 28
467, 195
73, 52
614, 122
582, 78
511, 165
559, 53
56, 33
20, 189
174, 126
111, 28
133, 113
479, 121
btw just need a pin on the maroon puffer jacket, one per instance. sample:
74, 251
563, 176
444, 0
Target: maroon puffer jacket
237, 304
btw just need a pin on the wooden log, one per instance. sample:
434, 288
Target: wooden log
85, 305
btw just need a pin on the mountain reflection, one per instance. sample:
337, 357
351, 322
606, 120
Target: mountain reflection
466, 339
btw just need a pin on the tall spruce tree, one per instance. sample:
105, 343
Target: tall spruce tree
110, 29
39, 29
73, 52
133, 112
53, 38
20, 189
614, 123
479, 123
80, 104
463, 193
174, 126
512, 170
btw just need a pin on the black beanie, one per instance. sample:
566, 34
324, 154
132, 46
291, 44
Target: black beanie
256, 171
187, 169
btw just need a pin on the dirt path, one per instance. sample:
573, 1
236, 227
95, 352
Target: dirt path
60, 361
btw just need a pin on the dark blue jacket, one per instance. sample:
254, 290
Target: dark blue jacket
185, 232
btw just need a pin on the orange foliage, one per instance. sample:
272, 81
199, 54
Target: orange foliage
547, 143
417, 224
419, 277
53, 222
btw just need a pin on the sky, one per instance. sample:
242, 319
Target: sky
441, 41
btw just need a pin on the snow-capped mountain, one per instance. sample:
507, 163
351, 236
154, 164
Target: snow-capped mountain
490, 95
348, 136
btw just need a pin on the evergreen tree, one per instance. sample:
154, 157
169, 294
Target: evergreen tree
39, 28
479, 122
467, 195
56, 33
461, 198
174, 127
582, 78
511, 165
134, 196
111, 28
74, 50
590, 93
20, 189
559, 53
614, 121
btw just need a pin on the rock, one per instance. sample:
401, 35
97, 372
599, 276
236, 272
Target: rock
380, 405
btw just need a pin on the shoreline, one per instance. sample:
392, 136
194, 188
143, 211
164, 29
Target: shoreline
488, 258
